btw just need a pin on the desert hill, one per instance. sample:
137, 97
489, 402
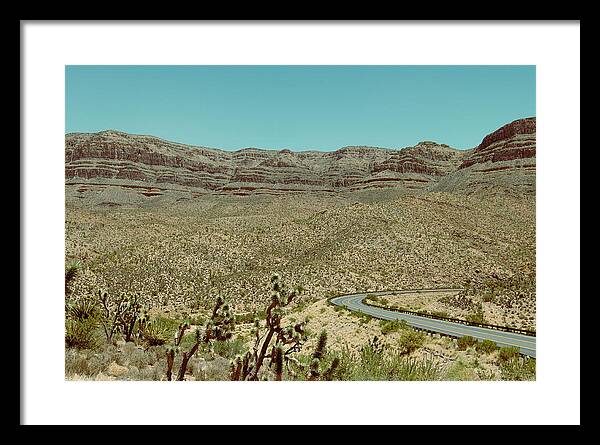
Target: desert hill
112, 167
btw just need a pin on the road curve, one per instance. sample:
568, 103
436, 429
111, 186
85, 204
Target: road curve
525, 343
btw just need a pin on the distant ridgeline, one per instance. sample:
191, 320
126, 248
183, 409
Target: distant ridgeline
148, 167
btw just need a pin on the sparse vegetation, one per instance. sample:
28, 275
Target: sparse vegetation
390, 326
486, 346
466, 342
81, 334
374, 362
271, 339
507, 353
71, 271
411, 340
517, 368
170, 264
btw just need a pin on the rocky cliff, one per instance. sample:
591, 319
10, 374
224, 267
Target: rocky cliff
504, 160
150, 167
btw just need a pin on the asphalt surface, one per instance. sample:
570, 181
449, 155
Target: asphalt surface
525, 343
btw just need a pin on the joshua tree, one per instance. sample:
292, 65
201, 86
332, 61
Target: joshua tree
317, 356
276, 342
119, 314
313, 371
219, 327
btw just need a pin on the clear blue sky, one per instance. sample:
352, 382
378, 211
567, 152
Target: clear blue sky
300, 107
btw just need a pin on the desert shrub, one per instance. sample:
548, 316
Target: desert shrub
148, 373
483, 374
518, 369
249, 317
489, 297
215, 369
410, 369
486, 346
230, 348
441, 314
76, 363
197, 320
411, 340
465, 342
476, 316
459, 370
363, 318
133, 373
99, 361
370, 362
372, 297
389, 326
507, 353
81, 334
460, 300
137, 357
155, 354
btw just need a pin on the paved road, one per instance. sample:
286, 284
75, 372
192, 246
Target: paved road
525, 343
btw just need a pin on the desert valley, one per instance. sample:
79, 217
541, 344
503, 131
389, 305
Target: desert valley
194, 263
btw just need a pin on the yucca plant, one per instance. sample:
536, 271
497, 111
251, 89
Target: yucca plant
154, 332
72, 270
80, 334
82, 309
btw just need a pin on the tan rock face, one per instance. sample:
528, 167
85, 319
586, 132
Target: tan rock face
152, 165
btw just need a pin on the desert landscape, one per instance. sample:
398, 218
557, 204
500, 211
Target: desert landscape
194, 263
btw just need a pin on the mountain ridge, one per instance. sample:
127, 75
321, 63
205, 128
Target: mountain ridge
504, 160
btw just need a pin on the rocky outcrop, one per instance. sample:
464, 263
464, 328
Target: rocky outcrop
153, 166
513, 141
505, 160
